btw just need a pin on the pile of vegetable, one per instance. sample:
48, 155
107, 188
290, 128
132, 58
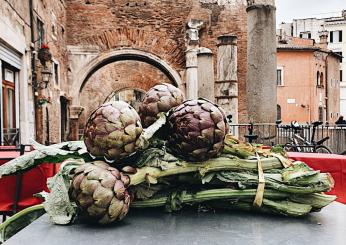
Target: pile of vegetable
184, 156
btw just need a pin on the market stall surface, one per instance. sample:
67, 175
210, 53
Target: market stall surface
189, 227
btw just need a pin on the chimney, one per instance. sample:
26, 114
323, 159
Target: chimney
344, 13
323, 38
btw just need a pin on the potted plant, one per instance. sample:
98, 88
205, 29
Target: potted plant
44, 54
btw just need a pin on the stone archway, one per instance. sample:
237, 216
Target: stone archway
117, 55
98, 60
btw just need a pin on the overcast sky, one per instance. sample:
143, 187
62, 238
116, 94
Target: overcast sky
295, 9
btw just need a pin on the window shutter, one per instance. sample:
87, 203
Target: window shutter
340, 36
331, 36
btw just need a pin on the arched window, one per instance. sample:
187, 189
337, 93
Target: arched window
278, 112
133, 96
318, 81
321, 80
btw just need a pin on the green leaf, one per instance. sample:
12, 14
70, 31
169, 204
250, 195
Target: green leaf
208, 177
58, 204
144, 192
175, 201
18, 221
45, 154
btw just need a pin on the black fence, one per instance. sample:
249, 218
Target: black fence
272, 134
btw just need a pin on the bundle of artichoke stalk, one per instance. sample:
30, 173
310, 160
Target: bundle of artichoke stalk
184, 156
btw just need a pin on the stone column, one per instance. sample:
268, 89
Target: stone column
191, 74
75, 112
205, 74
226, 84
192, 35
261, 57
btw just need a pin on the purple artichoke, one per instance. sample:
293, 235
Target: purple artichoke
160, 98
100, 192
197, 129
112, 131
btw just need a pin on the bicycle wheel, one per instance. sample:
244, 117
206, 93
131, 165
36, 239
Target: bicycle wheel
290, 148
322, 149
343, 153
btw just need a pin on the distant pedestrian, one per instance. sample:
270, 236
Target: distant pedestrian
341, 121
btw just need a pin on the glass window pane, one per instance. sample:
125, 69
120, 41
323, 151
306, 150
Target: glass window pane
10, 108
9, 75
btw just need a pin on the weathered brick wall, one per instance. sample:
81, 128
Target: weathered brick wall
159, 27
53, 15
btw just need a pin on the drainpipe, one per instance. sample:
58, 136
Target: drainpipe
37, 109
326, 90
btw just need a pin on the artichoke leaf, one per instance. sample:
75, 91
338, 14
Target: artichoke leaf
57, 203
53, 154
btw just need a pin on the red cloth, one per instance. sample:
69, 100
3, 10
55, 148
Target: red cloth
331, 163
33, 181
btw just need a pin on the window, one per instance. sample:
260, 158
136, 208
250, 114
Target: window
63, 118
305, 35
335, 36
8, 98
339, 53
278, 112
318, 79
56, 73
54, 28
129, 95
341, 76
321, 80
320, 114
279, 76
40, 32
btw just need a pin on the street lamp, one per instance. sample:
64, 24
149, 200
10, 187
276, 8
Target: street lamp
46, 74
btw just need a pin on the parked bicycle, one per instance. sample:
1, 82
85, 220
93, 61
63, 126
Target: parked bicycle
299, 143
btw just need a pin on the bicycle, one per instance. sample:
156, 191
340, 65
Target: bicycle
300, 144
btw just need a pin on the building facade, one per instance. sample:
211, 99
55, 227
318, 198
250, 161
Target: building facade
310, 28
61, 59
308, 86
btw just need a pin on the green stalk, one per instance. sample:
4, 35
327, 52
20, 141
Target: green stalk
208, 195
320, 182
151, 174
316, 200
285, 208
20, 220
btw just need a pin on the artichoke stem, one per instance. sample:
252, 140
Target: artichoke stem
212, 165
149, 132
209, 195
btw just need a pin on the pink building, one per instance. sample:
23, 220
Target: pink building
308, 81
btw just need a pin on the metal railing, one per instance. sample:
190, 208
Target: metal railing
10, 136
272, 134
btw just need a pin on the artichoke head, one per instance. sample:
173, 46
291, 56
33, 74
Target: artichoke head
112, 131
197, 129
160, 98
99, 191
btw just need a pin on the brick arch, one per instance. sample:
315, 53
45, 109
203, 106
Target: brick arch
111, 56
153, 42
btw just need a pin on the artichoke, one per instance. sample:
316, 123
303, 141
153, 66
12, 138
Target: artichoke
197, 129
160, 98
100, 192
113, 131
